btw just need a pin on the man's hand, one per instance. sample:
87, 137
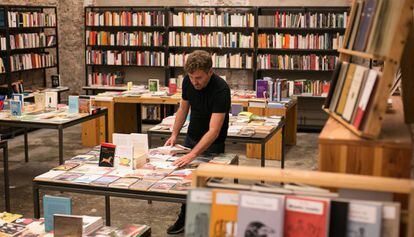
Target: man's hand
184, 160
171, 141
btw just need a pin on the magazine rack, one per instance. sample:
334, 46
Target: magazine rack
316, 178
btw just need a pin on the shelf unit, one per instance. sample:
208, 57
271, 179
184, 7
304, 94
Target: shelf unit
172, 71
7, 31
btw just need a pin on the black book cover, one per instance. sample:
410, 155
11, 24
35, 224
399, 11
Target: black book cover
107, 155
338, 219
334, 79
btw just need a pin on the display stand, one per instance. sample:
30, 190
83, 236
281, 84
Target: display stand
322, 179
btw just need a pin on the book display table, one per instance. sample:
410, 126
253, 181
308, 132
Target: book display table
153, 184
58, 120
3, 146
258, 138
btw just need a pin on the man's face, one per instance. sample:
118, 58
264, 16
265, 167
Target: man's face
200, 78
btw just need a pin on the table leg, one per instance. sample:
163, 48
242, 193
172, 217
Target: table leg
262, 154
108, 210
139, 119
60, 145
282, 163
106, 127
6, 177
36, 201
26, 146
149, 140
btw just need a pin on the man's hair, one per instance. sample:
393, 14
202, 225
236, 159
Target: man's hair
198, 60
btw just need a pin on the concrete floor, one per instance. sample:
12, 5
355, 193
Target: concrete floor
43, 153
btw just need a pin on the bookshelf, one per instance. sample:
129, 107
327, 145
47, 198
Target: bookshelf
224, 30
31, 41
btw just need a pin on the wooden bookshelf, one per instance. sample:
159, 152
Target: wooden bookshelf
7, 31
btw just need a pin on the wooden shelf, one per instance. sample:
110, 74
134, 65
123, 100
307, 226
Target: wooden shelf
361, 54
33, 69
29, 50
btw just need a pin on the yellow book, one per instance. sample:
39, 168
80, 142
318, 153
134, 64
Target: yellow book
223, 218
345, 89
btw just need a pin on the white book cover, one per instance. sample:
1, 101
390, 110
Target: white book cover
124, 156
51, 99
360, 73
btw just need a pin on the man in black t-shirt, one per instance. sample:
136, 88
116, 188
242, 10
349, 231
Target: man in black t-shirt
208, 97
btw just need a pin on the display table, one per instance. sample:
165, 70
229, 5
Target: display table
3, 146
58, 124
341, 151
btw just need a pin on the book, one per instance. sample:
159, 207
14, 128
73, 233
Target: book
365, 25
153, 85
173, 150
55, 205
224, 207
345, 89
391, 212
334, 80
87, 178
9, 217
364, 219
51, 99
260, 214
68, 176
306, 216
132, 230
105, 180
172, 86
51, 174
67, 225
92, 169
337, 89
143, 184
124, 157
197, 216
40, 101
365, 97
85, 105
354, 89
123, 183
355, 26
107, 155
338, 218
11, 229
73, 101
163, 185
66, 167
15, 108
55, 80
261, 88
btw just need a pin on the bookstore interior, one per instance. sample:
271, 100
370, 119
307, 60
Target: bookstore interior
218, 118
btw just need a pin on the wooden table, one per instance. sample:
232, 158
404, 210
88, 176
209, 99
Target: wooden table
342, 151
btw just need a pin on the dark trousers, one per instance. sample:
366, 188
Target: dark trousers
213, 149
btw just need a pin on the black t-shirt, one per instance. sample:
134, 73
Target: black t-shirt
214, 98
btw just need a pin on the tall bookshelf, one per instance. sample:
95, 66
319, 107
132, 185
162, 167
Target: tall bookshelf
20, 27
208, 28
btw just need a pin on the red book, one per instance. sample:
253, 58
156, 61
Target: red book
172, 86
306, 217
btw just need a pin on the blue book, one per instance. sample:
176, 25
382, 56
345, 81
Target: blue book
16, 107
73, 104
55, 205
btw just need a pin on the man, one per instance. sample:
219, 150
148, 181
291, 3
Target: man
208, 97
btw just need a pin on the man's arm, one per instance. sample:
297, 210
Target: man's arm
180, 118
216, 122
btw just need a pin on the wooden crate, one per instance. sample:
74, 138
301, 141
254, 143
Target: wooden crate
389, 155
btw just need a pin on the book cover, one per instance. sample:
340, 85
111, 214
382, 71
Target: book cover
338, 218
172, 86
364, 219
306, 217
105, 180
260, 214
345, 89
107, 155
92, 169
355, 25
354, 89
377, 22
73, 101
124, 156
55, 205
334, 79
15, 108
67, 225
132, 230
261, 88
338, 86
11, 229
85, 105
163, 185
153, 85
66, 167
123, 183
40, 101
143, 184
68, 176
365, 25
223, 220
197, 216
51, 99
87, 178
365, 97
55, 80
18, 97
50, 175
391, 212
236, 109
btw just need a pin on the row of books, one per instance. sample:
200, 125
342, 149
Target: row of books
31, 61
138, 38
304, 20
125, 18
310, 87
31, 40
106, 79
212, 19
354, 86
229, 212
3, 43
31, 19
297, 62
372, 26
151, 112
113, 57
213, 39
309, 41
237, 60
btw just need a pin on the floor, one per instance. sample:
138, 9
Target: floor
43, 152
